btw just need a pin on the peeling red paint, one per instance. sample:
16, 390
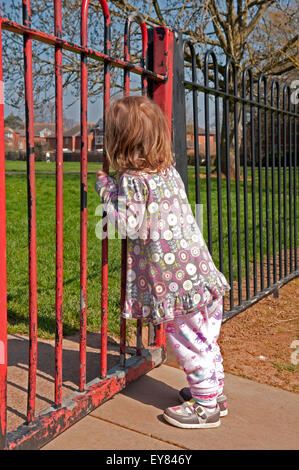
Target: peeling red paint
40, 429
78, 49
59, 204
31, 214
52, 422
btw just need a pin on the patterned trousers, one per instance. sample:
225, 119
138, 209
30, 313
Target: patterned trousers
193, 339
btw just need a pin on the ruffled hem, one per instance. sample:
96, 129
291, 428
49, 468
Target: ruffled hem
174, 305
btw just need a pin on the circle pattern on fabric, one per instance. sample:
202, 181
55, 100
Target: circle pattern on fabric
142, 282
180, 274
204, 267
131, 275
167, 275
160, 288
183, 256
169, 258
173, 286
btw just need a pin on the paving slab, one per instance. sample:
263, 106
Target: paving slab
93, 434
260, 417
17, 374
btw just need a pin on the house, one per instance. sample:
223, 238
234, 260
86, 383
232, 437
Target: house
11, 139
45, 133
41, 131
72, 139
201, 141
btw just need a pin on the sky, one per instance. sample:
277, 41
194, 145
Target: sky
95, 110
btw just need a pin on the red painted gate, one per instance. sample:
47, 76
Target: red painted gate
156, 81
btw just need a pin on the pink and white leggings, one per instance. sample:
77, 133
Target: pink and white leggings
193, 339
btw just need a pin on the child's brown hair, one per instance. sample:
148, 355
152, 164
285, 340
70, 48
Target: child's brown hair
137, 136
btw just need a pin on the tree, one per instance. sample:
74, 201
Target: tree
12, 121
242, 30
250, 32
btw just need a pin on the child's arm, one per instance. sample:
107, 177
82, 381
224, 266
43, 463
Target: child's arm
125, 202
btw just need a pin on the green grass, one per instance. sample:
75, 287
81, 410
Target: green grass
17, 249
252, 235
17, 165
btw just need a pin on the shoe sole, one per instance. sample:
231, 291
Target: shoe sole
222, 413
191, 426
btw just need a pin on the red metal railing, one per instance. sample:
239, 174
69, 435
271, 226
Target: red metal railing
39, 429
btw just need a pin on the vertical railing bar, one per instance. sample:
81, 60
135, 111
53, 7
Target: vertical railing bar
245, 176
219, 178
3, 268
31, 214
279, 188
290, 189
260, 180
273, 177
267, 184
228, 182
127, 39
59, 204
123, 322
195, 124
207, 147
285, 184
144, 58
295, 191
104, 293
253, 192
83, 202
237, 184
144, 91
279, 193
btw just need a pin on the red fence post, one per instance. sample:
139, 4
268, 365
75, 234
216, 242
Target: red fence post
163, 63
163, 40
3, 283
31, 213
105, 247
59, 204
39, 429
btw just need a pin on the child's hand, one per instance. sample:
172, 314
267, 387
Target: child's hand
100, 173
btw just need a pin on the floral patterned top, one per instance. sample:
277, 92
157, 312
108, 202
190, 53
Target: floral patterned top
170, 271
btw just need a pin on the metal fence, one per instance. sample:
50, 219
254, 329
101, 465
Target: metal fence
156, 80
251, 213
247, 216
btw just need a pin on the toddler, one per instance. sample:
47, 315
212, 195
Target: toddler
171, 276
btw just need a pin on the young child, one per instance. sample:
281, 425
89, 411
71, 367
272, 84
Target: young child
171, 276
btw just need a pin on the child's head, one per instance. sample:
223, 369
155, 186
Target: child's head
137, 136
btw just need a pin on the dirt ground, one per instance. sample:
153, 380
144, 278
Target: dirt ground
260, 343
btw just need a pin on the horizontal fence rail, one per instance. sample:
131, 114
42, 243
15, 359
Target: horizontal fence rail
253, 148
155, 81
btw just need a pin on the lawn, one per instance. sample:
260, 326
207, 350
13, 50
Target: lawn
17, 247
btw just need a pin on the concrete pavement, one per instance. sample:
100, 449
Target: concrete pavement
260, 417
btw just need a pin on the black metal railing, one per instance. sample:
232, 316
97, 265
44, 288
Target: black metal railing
244, 166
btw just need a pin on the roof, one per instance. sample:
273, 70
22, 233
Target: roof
76, 131
201, 130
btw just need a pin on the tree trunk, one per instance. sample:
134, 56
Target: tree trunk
231, 128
